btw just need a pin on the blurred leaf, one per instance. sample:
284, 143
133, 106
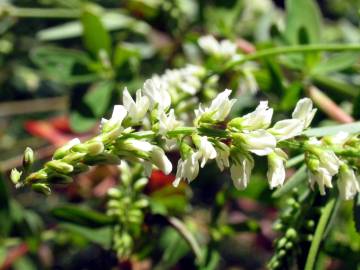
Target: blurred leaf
174, 246
24, 263
101, 236
81, 216
292, 182
168, 200
98, 97
5, 221
80, 122
291, 96
303, 19
332, 130
95, 36
356, 212
58, 63
336, 63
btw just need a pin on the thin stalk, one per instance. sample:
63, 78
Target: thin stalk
292, 49
55, 13
319, 232
188, 236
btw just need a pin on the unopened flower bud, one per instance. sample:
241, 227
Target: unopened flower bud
291, 234
41, 188
140, 183
95, 147
28, 158
60, 166
142, 203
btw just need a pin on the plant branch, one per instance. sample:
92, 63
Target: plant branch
318, 236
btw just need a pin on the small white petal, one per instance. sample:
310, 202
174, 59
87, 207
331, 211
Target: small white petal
259, 142
304, 111
241, 171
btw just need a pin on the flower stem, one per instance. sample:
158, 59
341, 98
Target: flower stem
56, 13
292, 49
320, 229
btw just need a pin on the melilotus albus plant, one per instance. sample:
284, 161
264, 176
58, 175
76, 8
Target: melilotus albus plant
165, 116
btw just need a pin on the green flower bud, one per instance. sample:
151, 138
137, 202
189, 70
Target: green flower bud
95, 147
15, 176
74, 157
142, 203
291, 234
281, 253
289, 245
59, 179
37, 176
41, 188
282, 242
28, 158
312, 162
60, 166
140, 184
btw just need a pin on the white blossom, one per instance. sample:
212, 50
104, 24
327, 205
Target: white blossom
224, 49
206, 151
168, 122
260, 118
187, 169
156, 90
240, 171
276, 172
322, 178
304, 111
118, 115
347, 183
259, 142
136, 109
286, 129
222, 157
219, 108
339, 139
160, 160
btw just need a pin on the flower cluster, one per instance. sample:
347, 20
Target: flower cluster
323, 164
143, 128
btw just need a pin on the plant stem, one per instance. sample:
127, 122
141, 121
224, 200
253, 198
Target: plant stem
320, 229
188, 236
292, 49
56, 13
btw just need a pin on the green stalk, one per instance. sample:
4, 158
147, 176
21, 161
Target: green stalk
56, 13
292, 49
319, 232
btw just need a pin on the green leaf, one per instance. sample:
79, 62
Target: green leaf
336, 63
80, 122
98, 98
101, 236
332, 130
95, 36
291, 96
356, 212
58, 63
292, 182
303, 21
81, 216
174, 248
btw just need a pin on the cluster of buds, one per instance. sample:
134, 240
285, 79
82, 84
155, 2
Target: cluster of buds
126, 206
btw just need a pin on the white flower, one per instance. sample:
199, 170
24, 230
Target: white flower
156, 90
259, 142
168, 122
338, 139
136, 109
112, 127
304, 111
206, 151
222, 157
187, 169
286, 129
160, 160
347, 183
70, 144
224, 49
276, 172
240, 171
322, 177
220, 107
258, 119
118, 115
